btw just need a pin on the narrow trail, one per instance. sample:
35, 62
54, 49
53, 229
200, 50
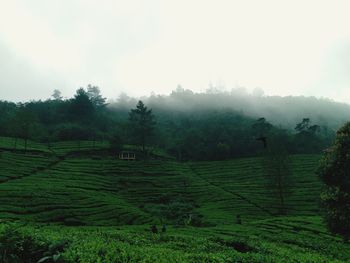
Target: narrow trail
232, 193
58, 160
52, 153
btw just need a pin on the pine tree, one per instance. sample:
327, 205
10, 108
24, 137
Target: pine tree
142, 124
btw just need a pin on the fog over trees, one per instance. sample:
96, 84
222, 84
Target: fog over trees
211, 125
284, 111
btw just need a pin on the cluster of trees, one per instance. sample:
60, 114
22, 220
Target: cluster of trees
334, 172
81, 117
285, 111
197, 134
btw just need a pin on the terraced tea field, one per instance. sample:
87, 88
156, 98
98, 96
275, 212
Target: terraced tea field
245, 179
84, 190
55, 148
287, 239
87, 189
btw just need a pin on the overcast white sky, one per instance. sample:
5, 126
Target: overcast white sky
284, 47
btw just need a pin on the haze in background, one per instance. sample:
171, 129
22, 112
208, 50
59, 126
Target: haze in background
284, 47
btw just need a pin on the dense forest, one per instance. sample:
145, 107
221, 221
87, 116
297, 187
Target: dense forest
211, 125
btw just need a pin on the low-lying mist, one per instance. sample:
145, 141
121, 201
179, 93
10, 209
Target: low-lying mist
280, 111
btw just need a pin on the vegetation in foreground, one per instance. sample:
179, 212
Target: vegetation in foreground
281, 239
335, 196
76, 189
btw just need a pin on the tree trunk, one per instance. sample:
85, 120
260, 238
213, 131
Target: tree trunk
143, 144
15, 143
25, 144
282, 210
280, 191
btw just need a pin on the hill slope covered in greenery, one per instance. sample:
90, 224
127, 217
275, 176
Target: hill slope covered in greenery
83, 186
79, 203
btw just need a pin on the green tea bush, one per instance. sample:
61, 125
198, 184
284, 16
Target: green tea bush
18, 246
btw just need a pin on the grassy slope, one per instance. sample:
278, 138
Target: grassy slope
104, 191
245, 180
85, 189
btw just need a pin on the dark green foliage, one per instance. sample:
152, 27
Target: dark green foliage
303, 126
72, 131
94, 94
334, 172
176, 210
81, 108
141, 124
222, 151
21, 247
211, 135
261, 127
116, 143
307, 137
282, 239
185, 129
7, 112
24, 122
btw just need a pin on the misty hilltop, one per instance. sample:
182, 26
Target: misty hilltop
211, 125
281, 111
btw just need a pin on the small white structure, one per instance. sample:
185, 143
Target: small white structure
127, 155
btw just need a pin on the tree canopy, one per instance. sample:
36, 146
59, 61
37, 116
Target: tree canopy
142, 124
334, 172
198, 133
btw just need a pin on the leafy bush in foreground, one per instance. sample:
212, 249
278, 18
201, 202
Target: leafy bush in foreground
282, 239
17, 246
334, 172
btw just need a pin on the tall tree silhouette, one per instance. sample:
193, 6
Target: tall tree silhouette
24, 123
261, 128
81, 108
142, 124
276, 165
94, 94
57, 95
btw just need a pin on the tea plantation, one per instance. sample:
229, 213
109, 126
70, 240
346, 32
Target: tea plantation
76, 202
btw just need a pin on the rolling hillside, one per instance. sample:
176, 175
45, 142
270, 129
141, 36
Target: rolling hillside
72, 184
99, 209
